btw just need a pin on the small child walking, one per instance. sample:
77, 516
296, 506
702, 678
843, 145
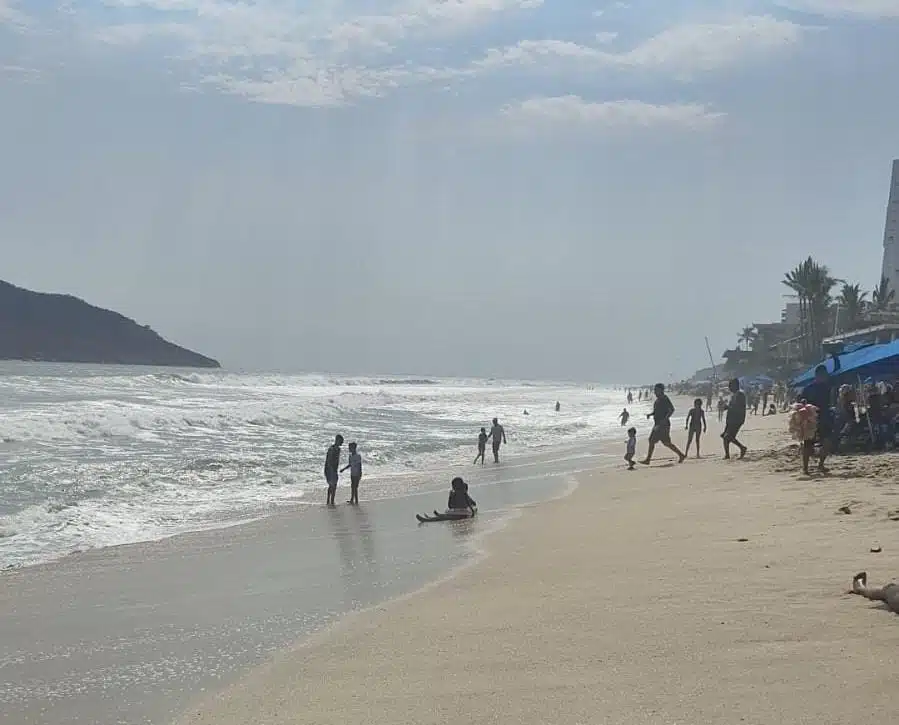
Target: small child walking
482, 446
631, 451
355, 466
695, 425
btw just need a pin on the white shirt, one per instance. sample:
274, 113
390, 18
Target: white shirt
355, 462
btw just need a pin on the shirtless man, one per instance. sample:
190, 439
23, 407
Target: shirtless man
498, 436
662, 410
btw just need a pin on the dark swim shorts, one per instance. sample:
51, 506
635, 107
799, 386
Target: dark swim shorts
731, 430
661, 433
331, 478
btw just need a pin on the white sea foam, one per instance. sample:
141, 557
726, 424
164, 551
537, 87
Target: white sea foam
93, 457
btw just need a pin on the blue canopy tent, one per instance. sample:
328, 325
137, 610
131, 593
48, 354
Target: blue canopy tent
874, 361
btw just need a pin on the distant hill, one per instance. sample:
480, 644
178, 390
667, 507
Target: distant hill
62, 328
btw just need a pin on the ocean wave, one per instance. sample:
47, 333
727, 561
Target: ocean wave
109, 459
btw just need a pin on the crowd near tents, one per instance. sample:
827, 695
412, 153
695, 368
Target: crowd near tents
872, 363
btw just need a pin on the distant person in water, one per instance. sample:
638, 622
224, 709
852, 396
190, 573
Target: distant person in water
498, 435
624, 417
631, 450
482, 446
695, 425
459, 501
355, 467
332, 465
736, 417
662, 410
558, 406
630, 398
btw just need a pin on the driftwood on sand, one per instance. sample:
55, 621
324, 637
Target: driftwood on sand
889, 594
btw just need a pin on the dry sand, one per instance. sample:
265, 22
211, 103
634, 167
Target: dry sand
635, 599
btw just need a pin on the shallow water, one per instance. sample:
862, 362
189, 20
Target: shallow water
95, 456
134, 634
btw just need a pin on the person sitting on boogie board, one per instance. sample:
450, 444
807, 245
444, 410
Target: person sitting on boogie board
459, 501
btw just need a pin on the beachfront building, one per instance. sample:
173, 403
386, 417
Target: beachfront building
874, 335
890, 269
790, 316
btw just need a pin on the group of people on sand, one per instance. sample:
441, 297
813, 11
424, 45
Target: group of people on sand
695, 425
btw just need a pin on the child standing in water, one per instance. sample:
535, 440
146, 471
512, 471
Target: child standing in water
631, 448
482, 445
695, 425
355, 466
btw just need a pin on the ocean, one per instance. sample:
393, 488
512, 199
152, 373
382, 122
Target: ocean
96, 456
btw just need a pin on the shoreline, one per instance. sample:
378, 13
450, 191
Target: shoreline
559, 454
210, 606
102, 497
287, 689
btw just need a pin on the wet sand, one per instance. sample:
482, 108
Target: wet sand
710, 592
133, 634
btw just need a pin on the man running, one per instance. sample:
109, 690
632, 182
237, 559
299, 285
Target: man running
736, 417
332, 465
498, 436
662, 410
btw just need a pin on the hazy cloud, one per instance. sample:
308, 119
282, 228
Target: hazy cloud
573, 113
12, 16
681, 50
866, 8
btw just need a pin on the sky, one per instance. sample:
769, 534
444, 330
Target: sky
509, 188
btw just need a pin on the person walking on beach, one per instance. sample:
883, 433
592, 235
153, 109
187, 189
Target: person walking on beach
332, 465
630, 398
695, 425
355, 466
498, 434
736, 417
818, 393
482, 445
631, 450
624, 417
662, 410
722, 406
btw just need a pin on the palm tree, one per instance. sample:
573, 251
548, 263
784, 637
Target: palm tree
820, 298
883, 297
748, 336
853, 303
813, 285
797, 280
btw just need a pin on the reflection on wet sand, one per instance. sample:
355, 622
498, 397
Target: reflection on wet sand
360, 573
167, 619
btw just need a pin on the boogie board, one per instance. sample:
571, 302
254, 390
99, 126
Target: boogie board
424, 518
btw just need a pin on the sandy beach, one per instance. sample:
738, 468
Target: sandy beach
710, 592
133, 634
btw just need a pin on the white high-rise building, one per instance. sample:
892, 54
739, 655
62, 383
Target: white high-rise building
890, 268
